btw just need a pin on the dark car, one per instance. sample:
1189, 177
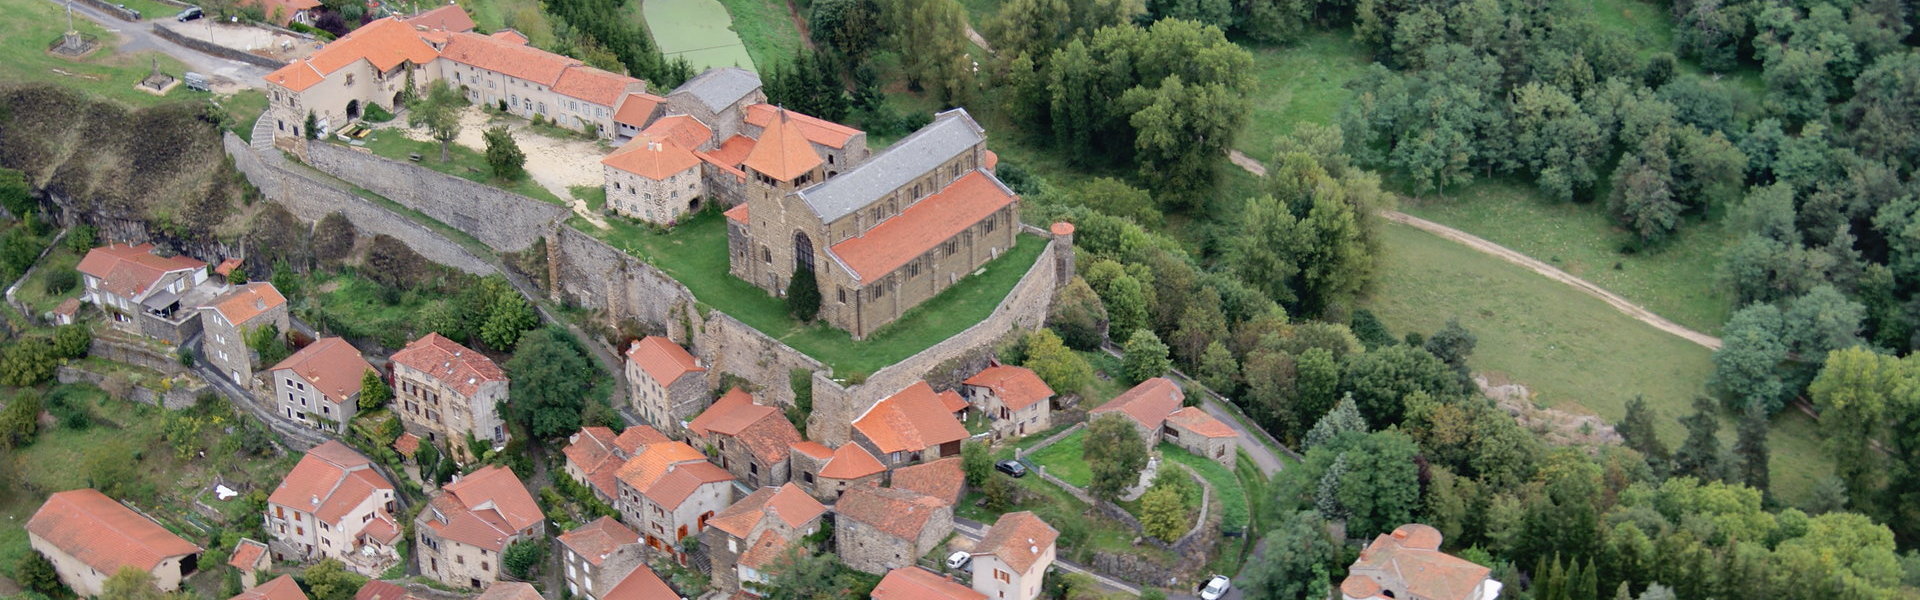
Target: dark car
191, 13
1011, 467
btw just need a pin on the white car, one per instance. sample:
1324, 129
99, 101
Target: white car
1216, 588
958, 560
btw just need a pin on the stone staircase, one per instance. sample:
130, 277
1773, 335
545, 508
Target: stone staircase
262, 138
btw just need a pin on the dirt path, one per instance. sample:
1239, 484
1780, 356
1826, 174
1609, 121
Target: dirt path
806, 35
978, 40
1619, 303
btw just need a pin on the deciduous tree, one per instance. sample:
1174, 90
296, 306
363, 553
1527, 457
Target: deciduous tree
1145, 357
549, 382
1114, 453
438, 112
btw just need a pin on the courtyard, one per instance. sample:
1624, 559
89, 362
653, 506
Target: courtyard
558, 165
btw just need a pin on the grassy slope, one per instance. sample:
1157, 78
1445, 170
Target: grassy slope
1064, 459
699, 30
767, 29
1573, 351
32, 25
1302, 83
33, 291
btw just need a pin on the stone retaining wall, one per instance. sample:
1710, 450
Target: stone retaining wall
209, 48
173, 399
138, 354
502, 220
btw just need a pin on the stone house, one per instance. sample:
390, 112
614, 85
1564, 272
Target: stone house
879, 529
749, 440
652, 179
915, 583
668, 385
1014, 398
250, 558
233, 315
319, 386
144, 293
468, 523
280, 588
909, 426
744, 539
587, 548
1203, 435
635, 113
719, 98
828, 472
88, 537
635, 581
333, 504
883, 236
446, 393
1146, 405
1408, 563
1012, 559
668, 492
942, 479
840, 146
594, 456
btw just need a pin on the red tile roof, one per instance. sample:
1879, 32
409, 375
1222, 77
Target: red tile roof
446, 18
764, 429
663, 360
1412, 552
509, 590
738, 213
952, 401
380, 590
280, 12
813, 449
384, 43
940, 479
851, 461
246, 554
599, 454
594, 541
732, 152
1017, 387
652, 157
244, 302
641, 584
921, 227
509, 36
127, 270
1018, 539
817, 130
1147, 404
635, 437
1198, 421
484, 508
685, 130
500, 56
104, 535
782, 152
912, 420
329, 481
895, 512
407, 444
280, 588
764, 550
637, 109
332, 366
915, 583
454, 365
669, 473
787, 502
604, 88
227, 266
381, 529
72, 305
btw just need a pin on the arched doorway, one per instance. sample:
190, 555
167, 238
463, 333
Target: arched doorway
802, 251
353, 109
399, 99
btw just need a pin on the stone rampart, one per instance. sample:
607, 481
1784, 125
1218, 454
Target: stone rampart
502, 220
590, 273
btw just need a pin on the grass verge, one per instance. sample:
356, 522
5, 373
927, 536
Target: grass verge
767, 30
32, 26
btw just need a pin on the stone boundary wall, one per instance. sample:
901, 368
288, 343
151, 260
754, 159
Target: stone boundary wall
311, 200
173, 399
213, 49
503, 220
111, 10
730, 346
136, 354
1019, 454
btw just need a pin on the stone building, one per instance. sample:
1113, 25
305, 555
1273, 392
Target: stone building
1203, 435
333, 504
718, 97
879, 529
1012, 559
88, 537
1154, 409
909, 426
1408, 563
653, 179
594, 456
668, 492
744, 539
144, 293
250, 558
468, 523
749, 440
942, 479
915, 583
828, 472
446, 392
588, 548
233, 315
320, 385
881, 237
1015, 399
668, 385
280, 588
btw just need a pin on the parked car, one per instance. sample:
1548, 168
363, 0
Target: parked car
1216, 588
958, 560
1011, 467
191, 13
196, 81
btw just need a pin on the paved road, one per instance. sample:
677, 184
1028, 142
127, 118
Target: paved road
139, 37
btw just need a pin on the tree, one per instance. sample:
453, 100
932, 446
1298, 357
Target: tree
374, 392
36, 574
803, 295
1078, 316
1064, 370
109, 471
1751, 448
1746, 367
1643, 198
504, 157
1163, 513
1638, 433
1699, 456
27, 362
313, 127
132, 583
976, 461
522, 559
850, 27
1344, 418
549, 382
1181, 131
1299, 553
508, 314
1381, 380
930, 36
1144, 357
1218, 370
1381, 487
800, 574
438, 111
330, 580
20, 421
1115, 454
1452, 345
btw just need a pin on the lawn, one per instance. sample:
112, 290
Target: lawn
1675, 280
1575, 353
595, 196
695, 254
1234, 513
358, 309
698, 30
1302, 83
1063, 460
464, 162
31, 26
243, 108
766, 28
33, 291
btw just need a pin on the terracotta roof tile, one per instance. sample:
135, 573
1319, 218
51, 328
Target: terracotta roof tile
227, 266
246, 553
924, 225
510, 36
915, 583
1018, 539
685, 130
637, 109
895, 512
652, 157
446, 18
764, 429
952, 401
851, 461
594, 541
732, 152
1412, 551
738, 213
331, 365
813, 449
940, 479
71, 306
244, 302
454, 365
380, 590
500, 56
1017, 387
663, 360
788, 502
764, 550
280, 588
604, 88
669, 473
1198, 421
641, 584
588, 447
635, 437
129, 270
407, 444
509, 590
280, 12
912, 420
329, 481
381, 529
1147, 404
817, 130
104, 535
484, 508
782, 152
384, 43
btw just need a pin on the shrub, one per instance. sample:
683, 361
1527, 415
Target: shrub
504, 157
375, 114
71, 341
803, 295
62, 281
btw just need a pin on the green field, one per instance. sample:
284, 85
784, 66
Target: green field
698, 30
1064, 459
465, 163
1302, 83
766, 28
1576, 353
32, 26
695, 254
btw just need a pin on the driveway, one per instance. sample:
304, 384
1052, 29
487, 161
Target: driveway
139, 37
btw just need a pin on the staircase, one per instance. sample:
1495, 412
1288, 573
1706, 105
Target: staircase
262, 138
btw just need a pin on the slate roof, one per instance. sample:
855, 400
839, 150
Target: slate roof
720, 87
103, 534
952, 133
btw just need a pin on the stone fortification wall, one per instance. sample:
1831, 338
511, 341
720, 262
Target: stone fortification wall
729, 346
311, 200
503, 220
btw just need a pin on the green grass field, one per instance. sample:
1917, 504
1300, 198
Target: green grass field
1576, 353
33, 291
1063, 459
698, 30
32, 26
766, 28
695, 253
1644, 25
1302, 83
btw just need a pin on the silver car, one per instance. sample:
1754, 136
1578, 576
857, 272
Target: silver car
1216, 588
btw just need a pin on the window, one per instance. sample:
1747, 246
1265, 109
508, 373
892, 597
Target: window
1002, 576
349, 79
843, 300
